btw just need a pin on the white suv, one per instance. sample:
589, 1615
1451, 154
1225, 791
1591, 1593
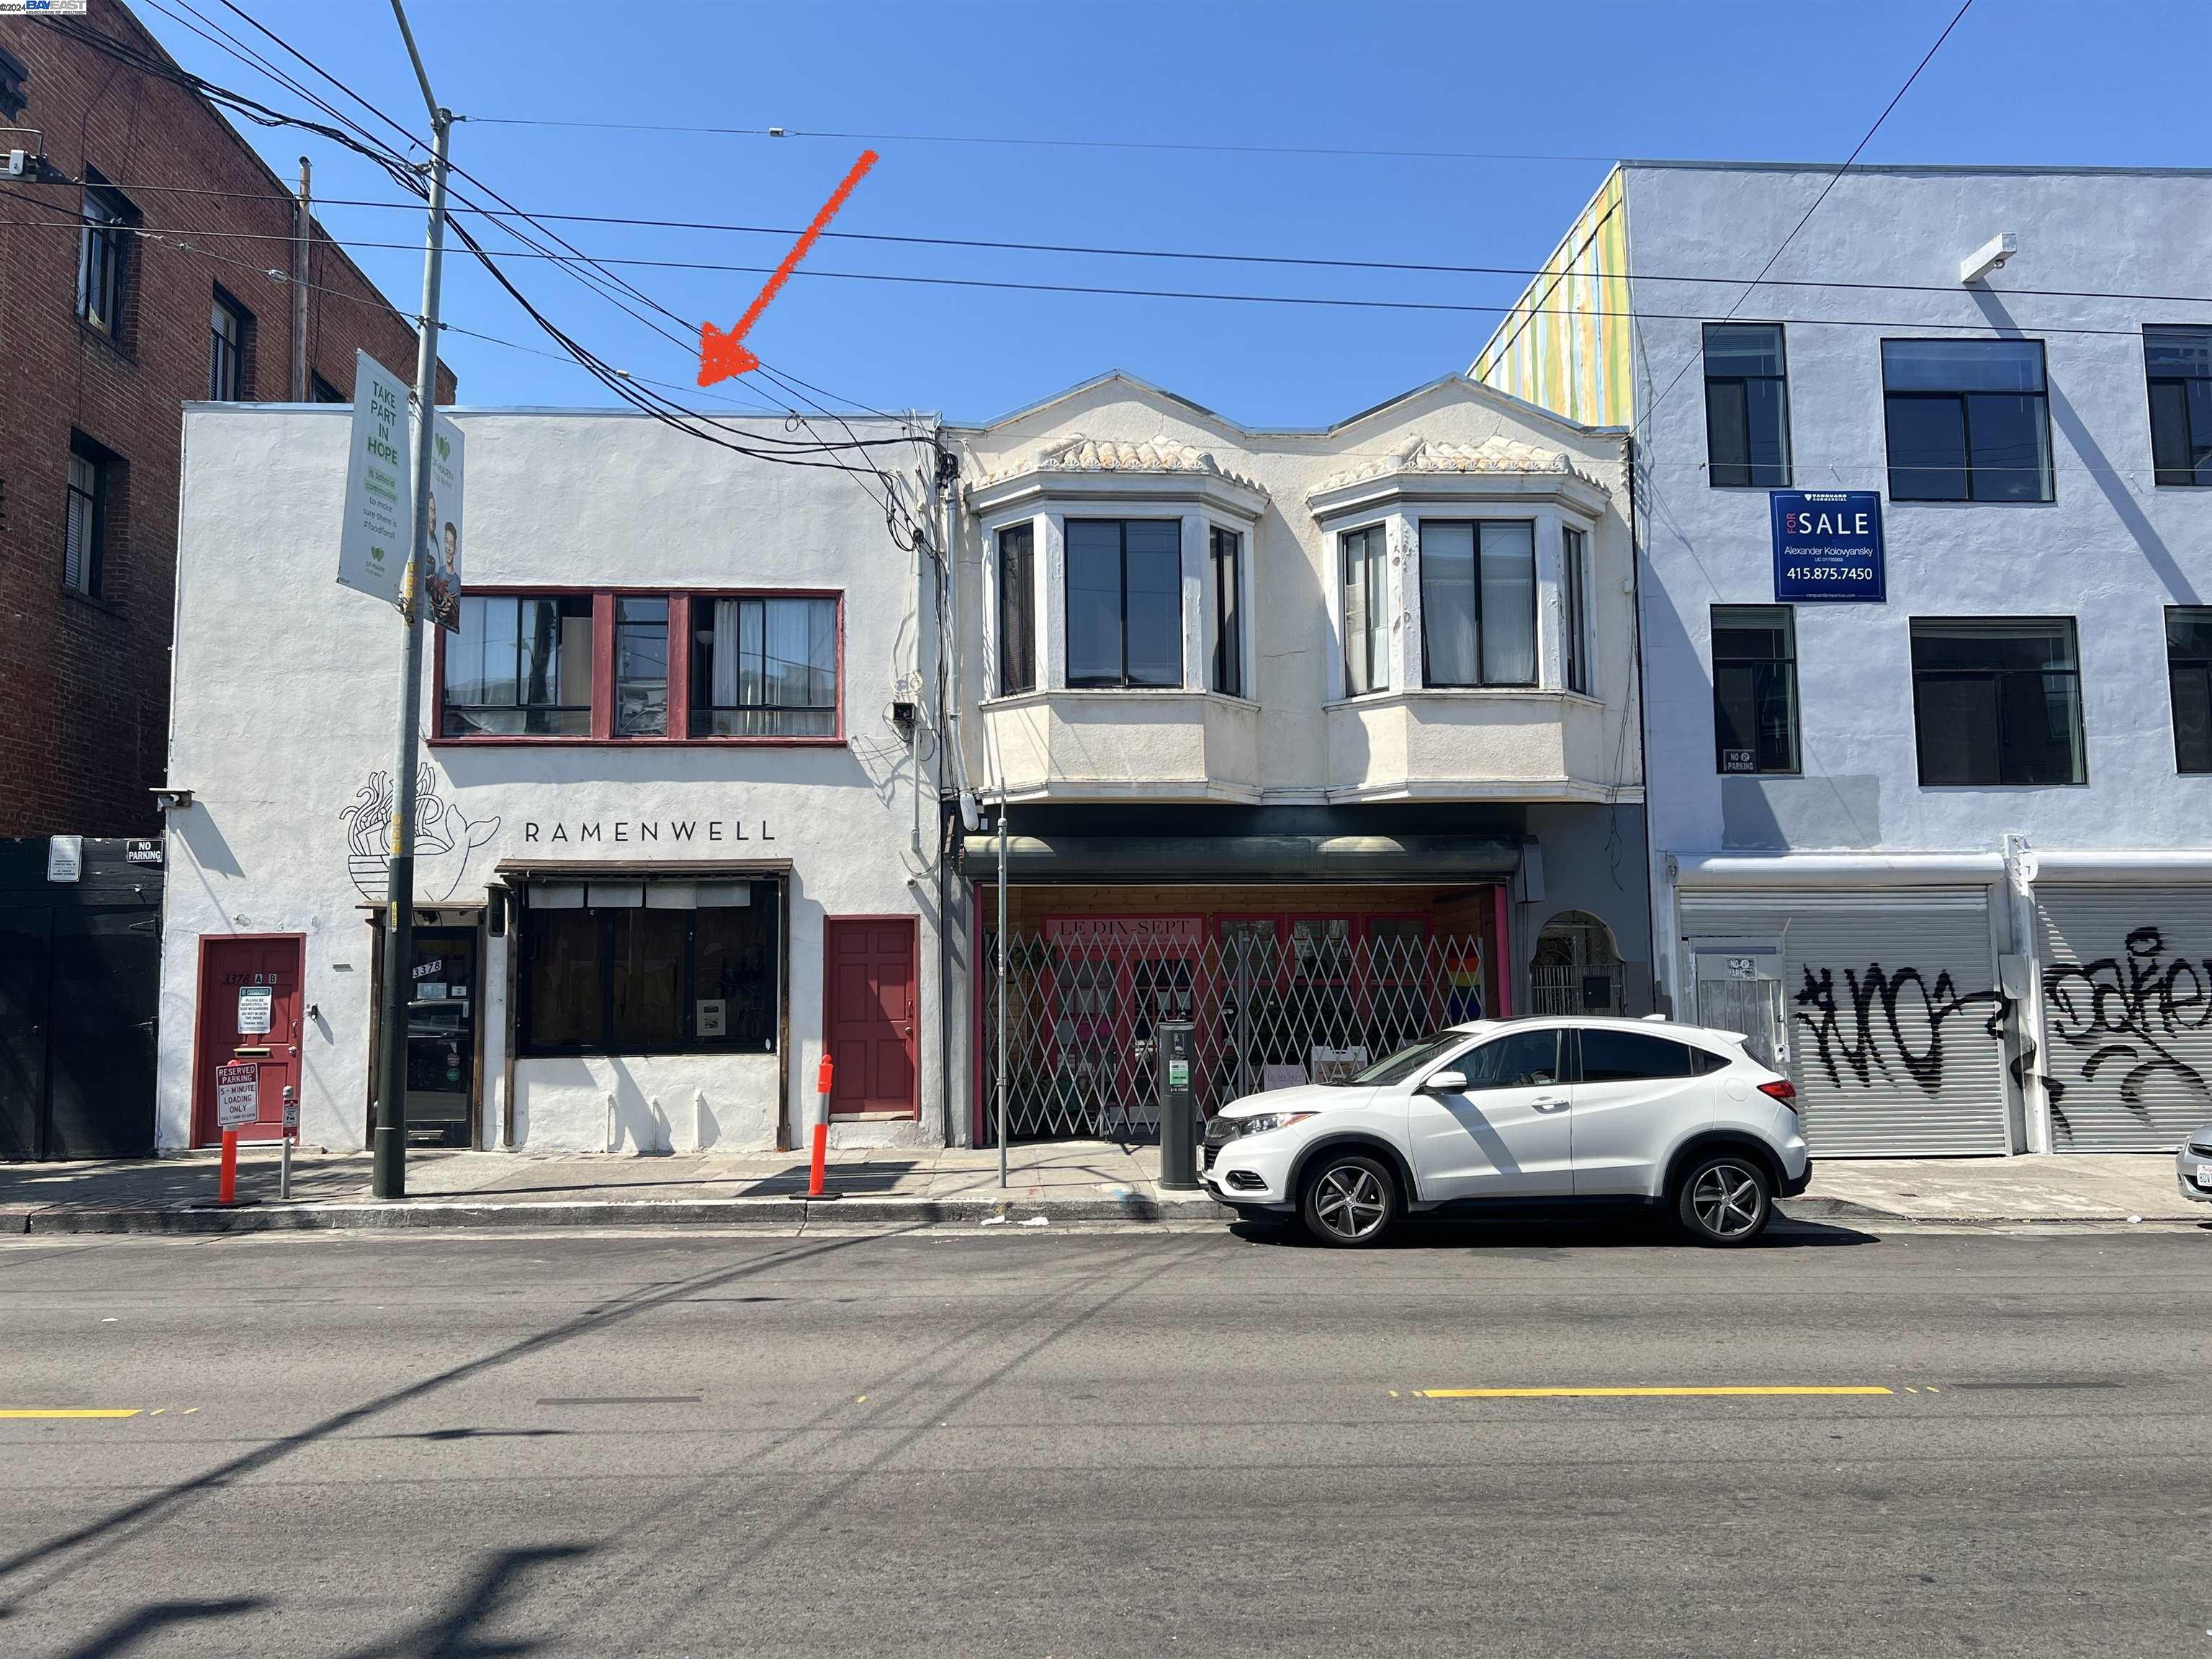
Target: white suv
1549, 1108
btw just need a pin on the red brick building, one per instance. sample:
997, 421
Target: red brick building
136, 255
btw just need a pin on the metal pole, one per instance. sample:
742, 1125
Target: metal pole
390, 1168
300, 279
1002, 991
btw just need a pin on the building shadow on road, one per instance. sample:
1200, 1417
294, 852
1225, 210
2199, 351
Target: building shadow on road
1551, 1234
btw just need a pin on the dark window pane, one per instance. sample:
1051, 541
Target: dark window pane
2184, 352
1520, 1060
1154, 602
2200, 430
2006, 440
647, 971
565, 987
1962, 365
1743, 350
1997, 702
1626, 1056
735, 982
1926, 449
1225, 547
1094, 602
1766, 423
1727, 446
2189, 633
1016, 609
2170, 451
2191, 686
1755, 688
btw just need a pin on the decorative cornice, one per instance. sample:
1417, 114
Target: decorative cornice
1079, 453
1494, 455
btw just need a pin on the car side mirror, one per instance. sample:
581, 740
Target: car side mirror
1445, 1082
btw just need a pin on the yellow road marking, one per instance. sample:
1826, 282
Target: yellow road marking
130, 1411
1642, 1394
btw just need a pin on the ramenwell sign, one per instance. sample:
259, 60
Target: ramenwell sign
633, 832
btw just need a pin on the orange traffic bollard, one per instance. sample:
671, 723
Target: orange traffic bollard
226, 1190
818, 1170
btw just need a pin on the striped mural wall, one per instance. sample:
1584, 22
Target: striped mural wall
1565, 346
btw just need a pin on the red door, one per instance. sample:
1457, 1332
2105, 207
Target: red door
868, 1012
249, 1014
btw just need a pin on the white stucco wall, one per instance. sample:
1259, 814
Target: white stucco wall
2111, 550
284, 704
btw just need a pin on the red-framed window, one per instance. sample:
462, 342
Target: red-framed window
630, 665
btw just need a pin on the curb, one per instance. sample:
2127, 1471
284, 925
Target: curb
777, 1212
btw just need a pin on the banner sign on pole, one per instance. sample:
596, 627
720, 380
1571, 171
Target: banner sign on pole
237, 1096
379, 532
1828, 545
446, 486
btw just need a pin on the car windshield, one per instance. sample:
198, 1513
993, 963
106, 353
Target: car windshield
1407, 1060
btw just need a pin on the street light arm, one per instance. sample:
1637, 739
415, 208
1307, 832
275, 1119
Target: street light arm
420, 74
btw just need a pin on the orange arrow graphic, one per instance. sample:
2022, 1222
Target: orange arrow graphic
724, 355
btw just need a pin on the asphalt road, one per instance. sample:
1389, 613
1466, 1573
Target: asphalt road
1008, 1442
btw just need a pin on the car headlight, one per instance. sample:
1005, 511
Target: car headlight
1268, 1120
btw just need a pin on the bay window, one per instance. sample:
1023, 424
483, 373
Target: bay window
636, 967
1124, 602
1478, 602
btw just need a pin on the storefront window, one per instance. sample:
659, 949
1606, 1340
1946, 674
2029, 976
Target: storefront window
651, 967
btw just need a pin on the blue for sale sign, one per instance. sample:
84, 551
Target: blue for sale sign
1828, 545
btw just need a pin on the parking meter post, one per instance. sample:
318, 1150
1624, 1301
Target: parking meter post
1171, 1051
291, 1129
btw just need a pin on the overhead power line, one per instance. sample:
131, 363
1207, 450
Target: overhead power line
1415, 267
1926, 58
1033, 141
1217, 297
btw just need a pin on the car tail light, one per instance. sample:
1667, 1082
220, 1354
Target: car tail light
1783, 1090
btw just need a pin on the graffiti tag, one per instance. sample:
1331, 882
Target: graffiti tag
2123, 1010
1873, 1024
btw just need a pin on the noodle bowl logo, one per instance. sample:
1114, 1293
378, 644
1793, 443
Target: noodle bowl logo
444, 839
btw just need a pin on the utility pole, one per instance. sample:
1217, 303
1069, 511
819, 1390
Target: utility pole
390, 1178
303, 232
1002, 985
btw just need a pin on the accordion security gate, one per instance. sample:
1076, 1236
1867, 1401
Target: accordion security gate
1266, 1014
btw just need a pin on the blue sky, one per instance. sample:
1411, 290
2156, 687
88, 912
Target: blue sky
2018, 80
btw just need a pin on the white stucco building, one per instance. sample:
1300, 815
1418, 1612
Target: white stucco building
1315, 739
1932, 826
674, 833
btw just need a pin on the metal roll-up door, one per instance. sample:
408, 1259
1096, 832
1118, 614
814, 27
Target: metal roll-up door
2127, 1013
1889, 1006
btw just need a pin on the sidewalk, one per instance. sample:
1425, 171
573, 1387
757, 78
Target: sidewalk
1060, 1181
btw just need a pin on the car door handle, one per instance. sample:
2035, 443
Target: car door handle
1549, 1105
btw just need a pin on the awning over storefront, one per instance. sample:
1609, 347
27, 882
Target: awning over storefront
1111, 859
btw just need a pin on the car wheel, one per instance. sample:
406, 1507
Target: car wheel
1349, 1200
1725, 1199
